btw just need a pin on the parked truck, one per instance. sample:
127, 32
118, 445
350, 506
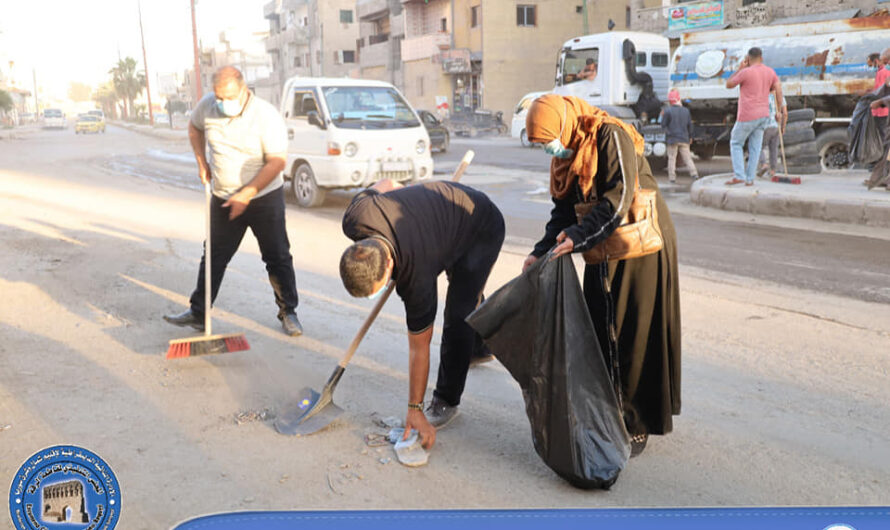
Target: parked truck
822, 66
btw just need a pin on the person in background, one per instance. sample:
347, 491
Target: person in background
589, 71
771, 134
755, 81
677, 124
881, 77
874, 61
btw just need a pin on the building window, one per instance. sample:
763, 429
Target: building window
749, 2
627, 17
346, 16
317, 56
474, 17
641, 58
298, 62
348, 56
525, 16
443, 25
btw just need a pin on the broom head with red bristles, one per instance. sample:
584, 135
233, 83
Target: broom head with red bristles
207, 345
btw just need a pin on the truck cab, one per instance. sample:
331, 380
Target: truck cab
348, 133
610, 71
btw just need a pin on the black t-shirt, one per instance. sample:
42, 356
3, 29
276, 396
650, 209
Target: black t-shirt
429, 227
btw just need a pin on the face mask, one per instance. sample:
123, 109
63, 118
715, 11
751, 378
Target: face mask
555, 147
229, 107
375, 296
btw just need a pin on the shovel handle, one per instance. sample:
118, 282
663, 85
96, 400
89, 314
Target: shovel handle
368, 321
464, 162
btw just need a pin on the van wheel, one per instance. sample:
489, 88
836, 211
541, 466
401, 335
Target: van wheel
305, 189
446, 143
523, 137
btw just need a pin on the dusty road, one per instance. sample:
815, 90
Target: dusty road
785, 394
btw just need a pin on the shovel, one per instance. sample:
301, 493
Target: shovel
313, 411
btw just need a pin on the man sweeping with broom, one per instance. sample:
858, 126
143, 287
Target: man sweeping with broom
247, 139
411, 235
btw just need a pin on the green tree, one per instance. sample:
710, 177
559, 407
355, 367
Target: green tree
79, 92
6, 103
128, 83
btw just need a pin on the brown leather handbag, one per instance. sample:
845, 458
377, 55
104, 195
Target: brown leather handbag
638, 234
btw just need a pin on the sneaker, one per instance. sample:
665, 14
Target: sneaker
439, 413
291, 325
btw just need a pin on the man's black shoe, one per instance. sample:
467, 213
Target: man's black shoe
291, 325
188, 318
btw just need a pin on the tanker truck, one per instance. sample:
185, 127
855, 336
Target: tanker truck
822, 66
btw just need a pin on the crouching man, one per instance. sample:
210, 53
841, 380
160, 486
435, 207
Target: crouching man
410, 235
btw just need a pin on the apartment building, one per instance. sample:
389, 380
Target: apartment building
461, 55
315, 38
245, 51
379, 44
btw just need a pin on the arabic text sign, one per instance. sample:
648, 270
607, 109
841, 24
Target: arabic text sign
695, 16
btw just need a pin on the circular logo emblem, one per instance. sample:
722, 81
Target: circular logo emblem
64, 486
839, 526
709, 63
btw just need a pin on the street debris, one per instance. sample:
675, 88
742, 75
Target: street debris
388, 422
385, 460
410, 452
250, 416
5, 427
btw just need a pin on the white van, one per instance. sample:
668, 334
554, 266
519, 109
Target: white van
517, 126
347, 133
55, 119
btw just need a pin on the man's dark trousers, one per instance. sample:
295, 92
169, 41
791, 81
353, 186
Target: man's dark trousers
265, 218
466, 281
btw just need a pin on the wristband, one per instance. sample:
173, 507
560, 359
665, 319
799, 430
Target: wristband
416, 406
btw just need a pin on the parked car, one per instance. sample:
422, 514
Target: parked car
439, 136
89, 123
517, 127
27, 117
350, 133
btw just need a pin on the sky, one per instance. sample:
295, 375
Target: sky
78, 40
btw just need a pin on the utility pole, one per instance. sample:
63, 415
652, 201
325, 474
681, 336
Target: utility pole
151, 117
198, 79
586, 30
36, 100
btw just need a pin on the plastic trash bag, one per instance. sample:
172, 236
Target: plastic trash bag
538, 326
865, 138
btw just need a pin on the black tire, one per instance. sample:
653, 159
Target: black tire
798, 137
523, 139
801, 115
833, 146
657, 163
797, 126
502, 130
446, 143
805, 169
305, 188
804, 149
704, 153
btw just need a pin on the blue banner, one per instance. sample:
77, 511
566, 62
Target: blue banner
872, 518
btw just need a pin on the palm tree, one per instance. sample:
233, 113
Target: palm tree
128, 83
106, 97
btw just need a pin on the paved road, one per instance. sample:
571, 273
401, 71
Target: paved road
781, 387
515, 177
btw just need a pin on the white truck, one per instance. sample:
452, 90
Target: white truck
633, 77
822, 66
347, 133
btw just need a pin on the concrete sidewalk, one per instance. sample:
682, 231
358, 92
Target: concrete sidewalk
160, 131
836, 196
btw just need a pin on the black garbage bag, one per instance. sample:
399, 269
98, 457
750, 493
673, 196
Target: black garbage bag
865, 138
538, 326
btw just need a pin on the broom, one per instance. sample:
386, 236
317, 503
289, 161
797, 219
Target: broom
207, 343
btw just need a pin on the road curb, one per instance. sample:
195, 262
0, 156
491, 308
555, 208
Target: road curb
164, 134
755, 200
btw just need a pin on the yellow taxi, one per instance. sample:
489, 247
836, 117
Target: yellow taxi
89, 123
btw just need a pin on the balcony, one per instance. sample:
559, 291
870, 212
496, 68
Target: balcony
375, 55
278, 6
371, 8
425, 46
297, 34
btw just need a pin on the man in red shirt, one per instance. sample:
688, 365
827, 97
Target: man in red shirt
755, 81
881, 78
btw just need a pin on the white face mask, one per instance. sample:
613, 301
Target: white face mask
229, 107
375, 296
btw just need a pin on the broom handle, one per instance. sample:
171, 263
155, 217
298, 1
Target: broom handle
207, 195
782, 144
458, 173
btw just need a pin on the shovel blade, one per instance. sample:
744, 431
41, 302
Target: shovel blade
306, 415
